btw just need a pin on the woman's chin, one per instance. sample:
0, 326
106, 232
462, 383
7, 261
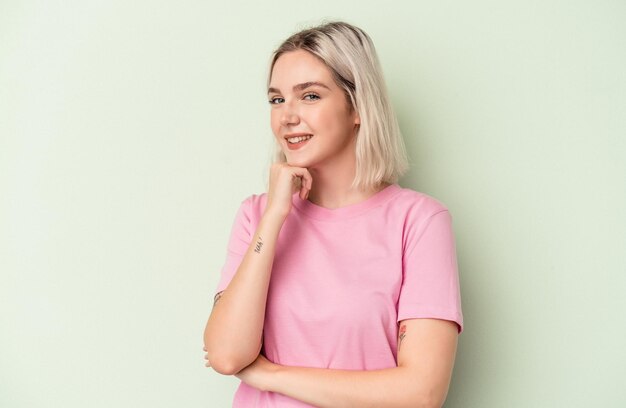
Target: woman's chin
292, 161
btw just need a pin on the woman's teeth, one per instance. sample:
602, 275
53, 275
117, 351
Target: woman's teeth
298, 139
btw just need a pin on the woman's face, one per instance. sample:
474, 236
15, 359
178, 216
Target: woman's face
305, 100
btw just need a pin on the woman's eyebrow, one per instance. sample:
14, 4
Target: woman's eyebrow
300, 87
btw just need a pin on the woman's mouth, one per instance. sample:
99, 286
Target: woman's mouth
297, 142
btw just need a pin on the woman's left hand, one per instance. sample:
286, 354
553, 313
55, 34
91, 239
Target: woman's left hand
206, 357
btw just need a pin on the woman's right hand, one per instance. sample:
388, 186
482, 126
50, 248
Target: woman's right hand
283, 184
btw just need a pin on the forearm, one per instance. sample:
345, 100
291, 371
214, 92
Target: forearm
233, 333
391, 387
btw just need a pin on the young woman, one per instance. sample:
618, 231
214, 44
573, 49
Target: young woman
340, 288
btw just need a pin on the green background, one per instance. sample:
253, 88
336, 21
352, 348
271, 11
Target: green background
130, 131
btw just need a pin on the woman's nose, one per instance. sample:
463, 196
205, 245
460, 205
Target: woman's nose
289, 116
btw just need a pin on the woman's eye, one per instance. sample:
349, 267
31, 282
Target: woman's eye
314, 97
273, 101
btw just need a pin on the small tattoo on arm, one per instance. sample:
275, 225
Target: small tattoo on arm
401, 335
217, 298
259, 244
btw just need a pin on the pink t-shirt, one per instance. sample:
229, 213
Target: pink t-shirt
343, 278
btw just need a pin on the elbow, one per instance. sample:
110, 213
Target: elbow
225, 357
426, 403
434, 402
226, 366
431, 404
428, 400
227, 362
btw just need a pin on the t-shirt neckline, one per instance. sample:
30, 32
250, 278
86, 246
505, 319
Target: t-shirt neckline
327, 214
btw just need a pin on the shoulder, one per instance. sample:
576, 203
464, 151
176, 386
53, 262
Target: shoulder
416, 204
253, 205
416, 211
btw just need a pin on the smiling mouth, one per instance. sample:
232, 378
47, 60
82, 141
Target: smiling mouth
298, 142
298, 139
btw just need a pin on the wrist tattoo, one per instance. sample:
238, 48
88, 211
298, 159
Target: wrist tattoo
217, 298
401, 335
259, 244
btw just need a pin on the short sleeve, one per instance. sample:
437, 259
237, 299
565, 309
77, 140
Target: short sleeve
430, 285
238, 243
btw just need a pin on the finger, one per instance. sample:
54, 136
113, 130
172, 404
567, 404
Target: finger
303, 192
305, 180
308, 179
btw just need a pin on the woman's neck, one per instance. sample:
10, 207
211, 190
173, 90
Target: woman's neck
331, 189
332, 180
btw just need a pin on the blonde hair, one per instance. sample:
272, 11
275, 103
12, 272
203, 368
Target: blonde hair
351, 57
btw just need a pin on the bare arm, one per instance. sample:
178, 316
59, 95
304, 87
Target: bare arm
426, 354
234, 331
